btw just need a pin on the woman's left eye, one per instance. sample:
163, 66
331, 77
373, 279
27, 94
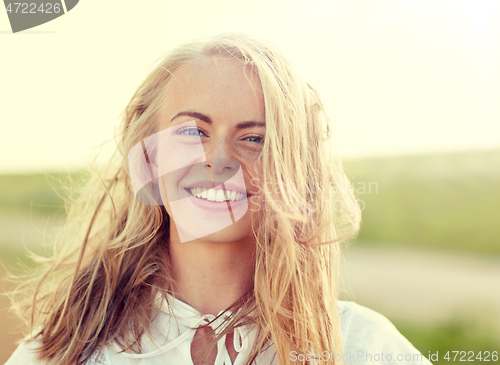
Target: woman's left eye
256, 139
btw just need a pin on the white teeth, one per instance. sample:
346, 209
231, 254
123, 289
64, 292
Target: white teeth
211, 195
220, 196
216, 195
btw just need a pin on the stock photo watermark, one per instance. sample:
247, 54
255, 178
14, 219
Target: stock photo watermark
30, 14
369, 357
357, 356
359, 188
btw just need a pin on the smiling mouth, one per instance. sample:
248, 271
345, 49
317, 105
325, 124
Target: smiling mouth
216, 196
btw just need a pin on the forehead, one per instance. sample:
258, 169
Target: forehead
219, 87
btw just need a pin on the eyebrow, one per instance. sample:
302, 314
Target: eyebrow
200, 116
250, 124
206, 119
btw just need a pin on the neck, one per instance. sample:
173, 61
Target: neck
211, 276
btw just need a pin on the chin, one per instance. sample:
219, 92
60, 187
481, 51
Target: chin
238, 231
223, 237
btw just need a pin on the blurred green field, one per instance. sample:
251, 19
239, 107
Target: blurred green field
459, 334
442, 201
25, 194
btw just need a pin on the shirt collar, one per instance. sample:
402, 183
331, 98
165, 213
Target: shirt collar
190, 318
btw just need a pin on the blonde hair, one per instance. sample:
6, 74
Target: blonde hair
111, 260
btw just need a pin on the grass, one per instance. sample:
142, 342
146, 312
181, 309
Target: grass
447, 201
444, 201
24, 194
459, 334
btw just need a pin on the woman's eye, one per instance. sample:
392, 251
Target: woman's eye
192, 132
256, 139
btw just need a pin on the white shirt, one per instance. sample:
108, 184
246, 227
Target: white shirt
368, 338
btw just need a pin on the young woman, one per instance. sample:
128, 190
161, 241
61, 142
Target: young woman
214, 235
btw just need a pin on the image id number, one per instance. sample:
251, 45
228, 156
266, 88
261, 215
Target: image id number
31, 8
471, 356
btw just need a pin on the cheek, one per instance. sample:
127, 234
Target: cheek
250, 161
168, 185
256, 201
253, 174
162, 187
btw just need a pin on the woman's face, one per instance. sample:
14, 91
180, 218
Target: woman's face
213, 128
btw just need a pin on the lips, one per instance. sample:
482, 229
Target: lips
216, 195
235, 208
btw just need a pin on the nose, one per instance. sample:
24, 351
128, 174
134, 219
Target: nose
222, 166
218, 158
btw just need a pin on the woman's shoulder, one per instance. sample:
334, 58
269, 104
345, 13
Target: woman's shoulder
25, 354
369, 337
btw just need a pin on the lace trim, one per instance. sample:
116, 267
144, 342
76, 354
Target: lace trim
94, 360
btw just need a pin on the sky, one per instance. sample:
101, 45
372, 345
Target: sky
396, 76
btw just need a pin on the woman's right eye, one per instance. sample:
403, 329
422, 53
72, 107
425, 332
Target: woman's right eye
191, 132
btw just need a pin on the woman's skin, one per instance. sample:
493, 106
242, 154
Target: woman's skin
219, 89
214, 271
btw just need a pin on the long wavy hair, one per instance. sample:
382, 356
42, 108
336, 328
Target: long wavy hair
111, 259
